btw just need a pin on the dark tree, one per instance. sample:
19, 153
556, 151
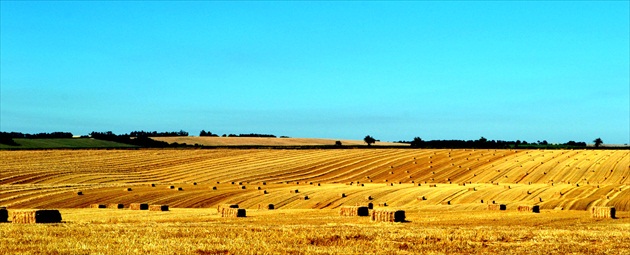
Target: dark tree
598, 142
417, 142
369, 140
202, 133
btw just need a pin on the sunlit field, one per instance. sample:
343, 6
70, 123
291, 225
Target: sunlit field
444, 193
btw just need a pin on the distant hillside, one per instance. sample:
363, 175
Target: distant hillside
63, 143
264, 141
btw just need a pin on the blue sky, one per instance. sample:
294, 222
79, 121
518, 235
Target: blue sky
554, 71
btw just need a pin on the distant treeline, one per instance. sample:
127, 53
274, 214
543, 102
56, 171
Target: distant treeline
139, 139
7, 137
208, 133
483, 143
157, 134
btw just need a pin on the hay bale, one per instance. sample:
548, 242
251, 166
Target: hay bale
432, 185
233, 213
382, 204
603, 212
497, 207
243, 187
369, 198
264, 192
171, 187
472, 189
222, 207
115, 206
370, 206
295, 191
194, 183
271, 207
529, 208
214, 188
264, 183
354, 211
160, 208
180, 189
4, 215
152, 184
80, 193
98, 206
128, 189
343, 194
138, 206
37, 216
306, 198
382, 215
446, 203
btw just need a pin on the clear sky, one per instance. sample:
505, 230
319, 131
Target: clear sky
505, 70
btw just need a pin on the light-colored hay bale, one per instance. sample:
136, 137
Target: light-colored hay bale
36, 216
115, 206
233, 212
354, 211
80, 193
98, 206
497, 207
161, 208
4, 215
383, 215
603, 212
529, 208
138, 206
222, 207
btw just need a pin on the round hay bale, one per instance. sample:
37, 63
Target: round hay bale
180, 189
306, 198
171, 187
152, 184
343, 194
214, 188
128, 189
80, 193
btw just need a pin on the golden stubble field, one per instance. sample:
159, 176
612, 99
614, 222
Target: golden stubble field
446, 213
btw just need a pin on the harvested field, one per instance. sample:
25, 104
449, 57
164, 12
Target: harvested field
573, 180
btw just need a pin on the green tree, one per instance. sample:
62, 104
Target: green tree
598, 142
369, 140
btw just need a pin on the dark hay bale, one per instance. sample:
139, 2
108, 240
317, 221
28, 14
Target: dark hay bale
295, 191
354, 211
180, 189
369, 198
343, 194
4, 215
153, 185
161, 208
497, 207
306, 198
128, 189
529, 208
370, 206
115, 206
243, 187
233, 213
214, 188
194, 183
98, 206
382, 215
271, 207
603, 212
138, 206
80, 193
37, 216
171, 187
